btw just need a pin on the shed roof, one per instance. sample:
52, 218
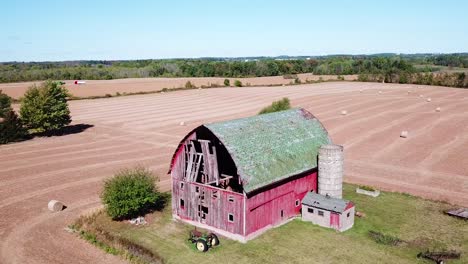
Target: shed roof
272, 147
325, 202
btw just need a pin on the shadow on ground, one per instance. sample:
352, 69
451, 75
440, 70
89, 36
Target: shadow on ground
68, 130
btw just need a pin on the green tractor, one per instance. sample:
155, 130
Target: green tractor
203, 241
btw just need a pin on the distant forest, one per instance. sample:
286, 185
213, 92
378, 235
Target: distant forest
432, 69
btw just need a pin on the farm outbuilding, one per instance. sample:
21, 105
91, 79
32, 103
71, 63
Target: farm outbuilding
328, 211
241, 177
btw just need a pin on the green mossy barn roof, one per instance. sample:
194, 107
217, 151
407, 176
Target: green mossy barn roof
271, 147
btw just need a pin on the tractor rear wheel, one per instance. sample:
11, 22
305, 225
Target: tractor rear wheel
201, 245
214, 240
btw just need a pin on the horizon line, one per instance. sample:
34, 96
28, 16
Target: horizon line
244, 57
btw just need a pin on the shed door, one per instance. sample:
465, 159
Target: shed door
334, 220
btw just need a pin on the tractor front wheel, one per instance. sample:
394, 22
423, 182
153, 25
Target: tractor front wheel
201, 245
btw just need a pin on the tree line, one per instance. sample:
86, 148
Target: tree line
386, 65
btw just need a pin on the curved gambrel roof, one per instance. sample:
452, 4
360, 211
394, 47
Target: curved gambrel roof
271, 147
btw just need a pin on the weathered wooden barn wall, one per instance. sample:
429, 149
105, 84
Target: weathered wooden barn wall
178, 172
202, 203
265, 208
210, 205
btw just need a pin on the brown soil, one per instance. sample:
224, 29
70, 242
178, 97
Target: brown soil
145, 129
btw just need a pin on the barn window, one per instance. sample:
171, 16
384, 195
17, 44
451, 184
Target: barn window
204, 210
214, 194
348, 214
231, 198
320, 213
197, 189
182, 185
231, 218
310, 210
282, 213
297, 203
182, 204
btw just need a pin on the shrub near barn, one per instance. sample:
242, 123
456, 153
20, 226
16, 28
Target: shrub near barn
130, 193
276, 106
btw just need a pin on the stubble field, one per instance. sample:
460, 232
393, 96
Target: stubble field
144, 130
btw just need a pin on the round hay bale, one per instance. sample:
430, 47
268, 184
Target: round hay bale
404, 134
409, 92
428, 99
421, 96
182, 123
55, 206
360, 91
344, 112
438, 109
380, 92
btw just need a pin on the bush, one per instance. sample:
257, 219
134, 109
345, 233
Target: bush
366, 188
363, 78
189, 85
237, 83
227, 82
297, 81
276, 106
45, 108
11, 127
385, 239
290, 76
130, 193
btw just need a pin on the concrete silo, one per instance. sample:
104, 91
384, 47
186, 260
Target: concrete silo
330, 170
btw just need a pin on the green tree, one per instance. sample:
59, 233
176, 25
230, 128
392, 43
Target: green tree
276, 106
11, 127
130, 193
45, 108
237, 83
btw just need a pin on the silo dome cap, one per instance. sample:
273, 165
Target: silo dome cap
332, 147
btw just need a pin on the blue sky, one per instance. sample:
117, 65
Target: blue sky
79, 30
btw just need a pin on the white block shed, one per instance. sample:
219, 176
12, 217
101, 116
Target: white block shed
328, 211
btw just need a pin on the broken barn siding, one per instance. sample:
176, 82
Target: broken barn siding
210, 205
210, 161
264, 209
178, 172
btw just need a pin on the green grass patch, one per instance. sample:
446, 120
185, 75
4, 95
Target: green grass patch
366, 188
420, 224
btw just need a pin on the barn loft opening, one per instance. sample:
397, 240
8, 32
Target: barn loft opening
225, 176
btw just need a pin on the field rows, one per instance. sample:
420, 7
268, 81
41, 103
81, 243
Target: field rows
144, 130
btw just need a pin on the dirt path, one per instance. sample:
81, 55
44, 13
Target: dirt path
144, 130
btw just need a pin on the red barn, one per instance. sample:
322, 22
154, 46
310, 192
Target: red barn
241, 177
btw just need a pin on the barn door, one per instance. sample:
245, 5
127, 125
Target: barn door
334, 220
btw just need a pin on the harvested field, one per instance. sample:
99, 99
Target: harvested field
145, 129
133, 85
